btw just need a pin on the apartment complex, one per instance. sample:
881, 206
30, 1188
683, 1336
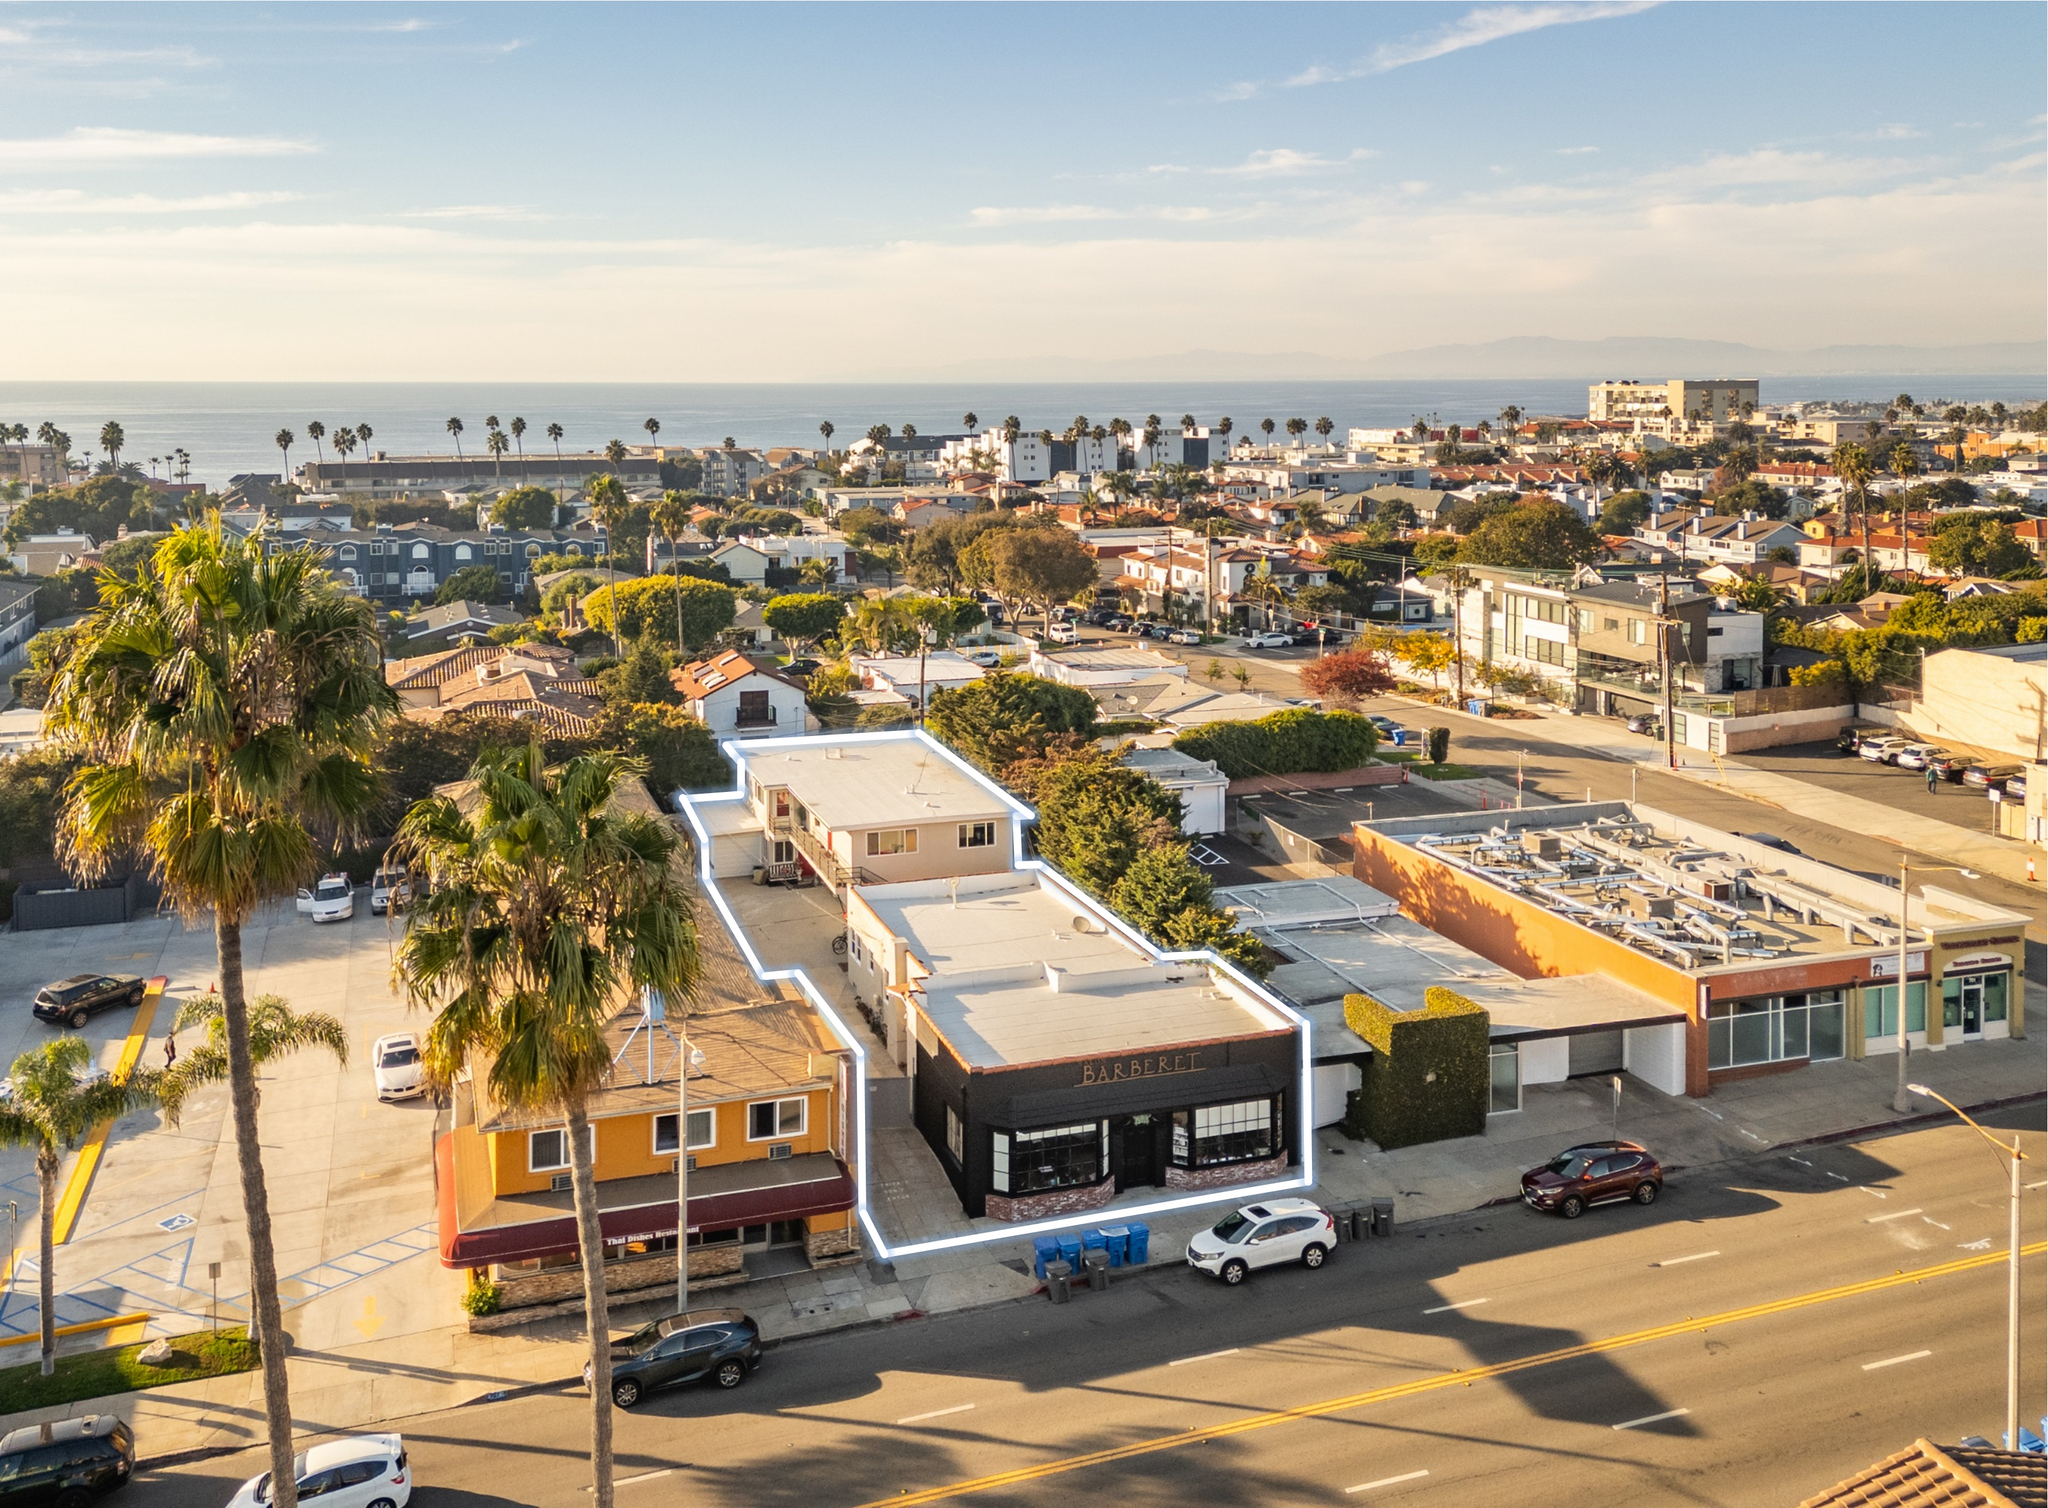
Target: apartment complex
400, 562
1670, 408
382, 476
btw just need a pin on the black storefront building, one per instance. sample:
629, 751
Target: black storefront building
1045, 1137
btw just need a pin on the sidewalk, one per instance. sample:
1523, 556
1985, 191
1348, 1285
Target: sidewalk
352, 1387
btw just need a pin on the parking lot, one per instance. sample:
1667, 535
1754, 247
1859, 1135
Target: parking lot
1827, 766
350, 1180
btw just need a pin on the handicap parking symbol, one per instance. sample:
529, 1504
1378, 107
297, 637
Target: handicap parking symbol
176, 1222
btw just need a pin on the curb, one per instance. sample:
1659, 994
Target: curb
1909, 1122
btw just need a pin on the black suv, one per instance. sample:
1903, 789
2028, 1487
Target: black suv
77, 1000
68, 1462
722, 1344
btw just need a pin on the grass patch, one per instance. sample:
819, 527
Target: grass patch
94, 1374
1418, 766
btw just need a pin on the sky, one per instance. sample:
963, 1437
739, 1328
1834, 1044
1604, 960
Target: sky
790, 192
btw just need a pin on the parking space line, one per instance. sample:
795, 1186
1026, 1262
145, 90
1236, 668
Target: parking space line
1698, 1256
958, 1408
89, 1155
1894, 1215
1447, 1308
1205, 1356
1406, 1476
1652, 1419
1892, 1361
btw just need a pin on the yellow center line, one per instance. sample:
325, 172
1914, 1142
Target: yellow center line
72, 1203
1444, 1380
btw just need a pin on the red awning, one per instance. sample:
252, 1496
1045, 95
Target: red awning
751, 1194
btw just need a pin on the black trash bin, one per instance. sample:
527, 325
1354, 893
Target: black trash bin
1357, 1225
1059, 1282
1383, 1215
1096, 1260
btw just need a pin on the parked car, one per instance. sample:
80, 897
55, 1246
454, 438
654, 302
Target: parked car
1771, 840
800, 668
1391, 733
1881, 750
1303, 636
77, 1000
1600, 1172
720, 1344
1184, 636
1118, 624
1648, 724
332, 900
1990, 777
988, 659
389, 889
353, 1473
68, 1461
1098, 617
2016, 788
1953, 767
1851, 738
1274, 640
1063, 633
1918, 756
395, 1060
1264, 1235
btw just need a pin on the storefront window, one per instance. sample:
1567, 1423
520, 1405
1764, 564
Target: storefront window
1060, 1157
1775, 1029
1970, 1000
1504, 1062
1881, 1009
1238, 1132
1994, 996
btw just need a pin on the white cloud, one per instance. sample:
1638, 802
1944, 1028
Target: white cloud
1286, 162
1233, 92
1576, 151
1487, 23
1767, 166
475, 212
78, 202
412, 23
1042, 214
87, 146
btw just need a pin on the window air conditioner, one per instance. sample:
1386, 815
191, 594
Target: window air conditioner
778, 1151
561, 1183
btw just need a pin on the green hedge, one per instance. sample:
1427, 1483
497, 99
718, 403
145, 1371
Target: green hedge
1284, 743
1427, 1077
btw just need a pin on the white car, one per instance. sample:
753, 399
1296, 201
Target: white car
1915, 756
987, 659
396, 1062
332, 900
389, 888
363, 1471
1264, 1235
1881, 750
1269, 641
1185, 636
1063, 633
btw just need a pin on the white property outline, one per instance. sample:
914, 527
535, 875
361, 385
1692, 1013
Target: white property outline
737, 750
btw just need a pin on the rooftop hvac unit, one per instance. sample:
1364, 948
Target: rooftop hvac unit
1640, 905
1716, 890
1542, 845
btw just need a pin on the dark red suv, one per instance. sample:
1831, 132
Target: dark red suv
1600, 1172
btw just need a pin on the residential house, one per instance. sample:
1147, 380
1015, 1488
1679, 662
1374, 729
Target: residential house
749, 559
788, 483
383, 476
1199, 783
32, 465
1678, 407
395, 562
914, 678
538, 682
17, 621
47, 554
296, 520
1714, 537
739, 697
461, 620
1101, 664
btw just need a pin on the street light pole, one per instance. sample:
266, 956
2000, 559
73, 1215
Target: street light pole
1902, 1098
2014, 1157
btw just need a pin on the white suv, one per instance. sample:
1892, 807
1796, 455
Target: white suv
1261, 1235
332, 900
361, 1471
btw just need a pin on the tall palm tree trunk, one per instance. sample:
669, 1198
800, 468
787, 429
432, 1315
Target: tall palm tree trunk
1863, 494
590, 1242
46, 1178
675, 566
266, 1322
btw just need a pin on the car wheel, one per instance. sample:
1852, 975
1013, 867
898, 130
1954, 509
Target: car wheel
1312, 1255
730, 1374
625, 1392
78, 1018
1571, 1206
135, 995
1646, 1192
1234, 1272
382, 1503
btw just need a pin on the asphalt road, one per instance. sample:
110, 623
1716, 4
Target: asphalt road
1498, 1357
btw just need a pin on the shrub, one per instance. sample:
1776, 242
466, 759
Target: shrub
1283, 743
1427, 1079
1438, 745
482, 1296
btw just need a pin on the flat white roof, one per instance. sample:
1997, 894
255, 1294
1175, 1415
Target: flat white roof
1014, 980
884, 783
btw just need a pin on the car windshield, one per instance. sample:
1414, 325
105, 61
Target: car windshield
298, 1475
331, 890
1569, 1164
386, 878
643, 1340
1231, 1226
400, 1055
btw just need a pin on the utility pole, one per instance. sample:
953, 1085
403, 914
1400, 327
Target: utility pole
1458, 629
1902, 1097
1664, 664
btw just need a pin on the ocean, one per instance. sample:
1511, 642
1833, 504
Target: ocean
227, 427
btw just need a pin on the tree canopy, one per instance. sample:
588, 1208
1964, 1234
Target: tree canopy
99, 508
804, 617
1538, 532
1096, 816
1348, 676
1003, 718
648, 607
473, 583
1286, 742
525, 508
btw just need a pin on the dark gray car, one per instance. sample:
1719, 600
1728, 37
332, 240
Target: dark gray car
720, 1344
77, 1000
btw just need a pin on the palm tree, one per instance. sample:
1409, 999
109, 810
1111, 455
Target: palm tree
217, 702
549, 912
672, 516
112, 438
1267, 426
1187, 422
910, 431
497, 444
825, 431
1510, 419
53, 1101
1223, 428
283, 440
970, 421
555, 434
653, 428
1324, 426
344, 442
315, 431
608, 506
1296, 428
1905, 463
454, 427
519, 439
365, 433
1852, 465
274, 1030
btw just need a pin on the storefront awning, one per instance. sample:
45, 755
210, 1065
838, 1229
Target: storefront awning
516, 1227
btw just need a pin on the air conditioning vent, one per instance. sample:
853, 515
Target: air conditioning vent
778, 1151
690, 1165
561, 1183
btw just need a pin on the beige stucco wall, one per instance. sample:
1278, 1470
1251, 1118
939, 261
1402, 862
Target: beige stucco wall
938, 855
1988, 701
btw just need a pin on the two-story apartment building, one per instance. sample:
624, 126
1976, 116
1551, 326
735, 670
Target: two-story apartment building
381, 476
737, 697
748, 559
395, 563
17, 621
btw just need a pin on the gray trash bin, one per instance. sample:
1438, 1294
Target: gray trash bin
1357, 1225
1383, 1215
1096, 1260
1059, 1282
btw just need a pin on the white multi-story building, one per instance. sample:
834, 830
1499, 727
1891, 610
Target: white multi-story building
1678, 406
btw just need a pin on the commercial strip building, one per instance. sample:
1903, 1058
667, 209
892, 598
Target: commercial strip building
387, 476
1775, 960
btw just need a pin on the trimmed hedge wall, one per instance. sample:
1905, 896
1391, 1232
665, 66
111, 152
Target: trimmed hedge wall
1284, 743
1427, 1077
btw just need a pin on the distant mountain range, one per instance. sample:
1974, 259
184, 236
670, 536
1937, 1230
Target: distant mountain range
1646, 358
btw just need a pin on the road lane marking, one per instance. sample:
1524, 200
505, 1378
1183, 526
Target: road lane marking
645, 1476
1838, 1177
1652, 1419
1802, 1162
1869, 1190
1892, 1361
2039, 1184
1934, 1222
1442, 1380
1698, 1256
72, 1202
1406, 1476
1205, 1356
1447, 1308
1983, 1245
1894, 1215
958, 1408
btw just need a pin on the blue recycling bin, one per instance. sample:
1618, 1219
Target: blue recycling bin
1093, 1240
1044, 1249
1070, 1251
1141, 1237
1118, 1239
